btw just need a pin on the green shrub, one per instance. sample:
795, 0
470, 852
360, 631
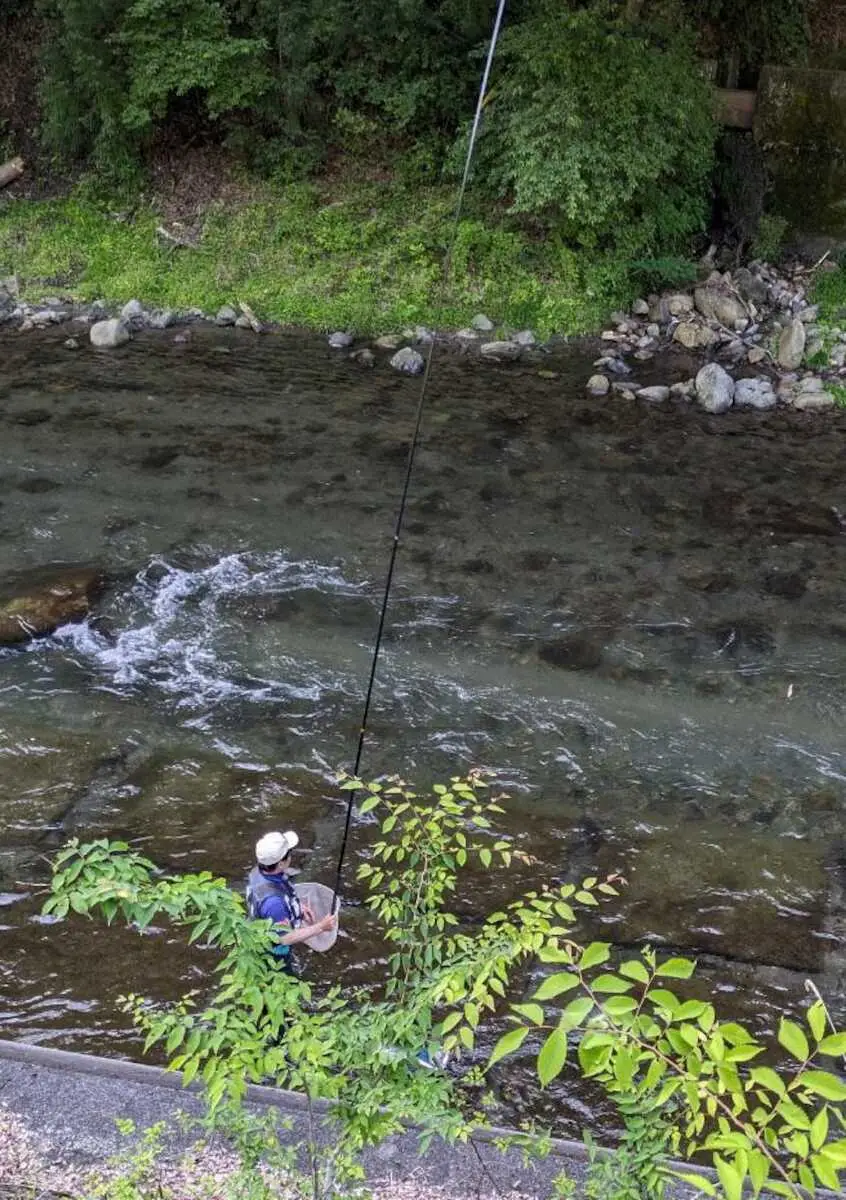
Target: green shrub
603, 129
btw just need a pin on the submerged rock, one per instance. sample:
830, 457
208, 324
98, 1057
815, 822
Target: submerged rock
38, 602
502, 351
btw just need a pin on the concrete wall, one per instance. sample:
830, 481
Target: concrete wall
800, 122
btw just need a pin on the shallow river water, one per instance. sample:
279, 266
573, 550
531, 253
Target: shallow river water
633, 614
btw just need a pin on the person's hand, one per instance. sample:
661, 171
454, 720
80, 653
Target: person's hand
326, 923
308, 915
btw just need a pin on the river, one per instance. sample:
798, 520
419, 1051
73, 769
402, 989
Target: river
633, 614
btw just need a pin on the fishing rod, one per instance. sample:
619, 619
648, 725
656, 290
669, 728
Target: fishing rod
412, 450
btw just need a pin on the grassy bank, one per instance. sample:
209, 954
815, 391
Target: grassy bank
361, 255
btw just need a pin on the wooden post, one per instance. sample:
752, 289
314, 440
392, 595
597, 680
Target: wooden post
11, 171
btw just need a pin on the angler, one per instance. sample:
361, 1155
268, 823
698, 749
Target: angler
272, 896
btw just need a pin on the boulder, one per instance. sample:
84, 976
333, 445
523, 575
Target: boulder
161, 318
719, 305
226, 315
694, 337
408, 361
791, 345
679, 304
132, 314
714, 388
524, 337
640, 308
340, 340
751, 287
656, 395
482, 323
501, 351
813, 401
598, 385
108, 335
38, 602
754, 393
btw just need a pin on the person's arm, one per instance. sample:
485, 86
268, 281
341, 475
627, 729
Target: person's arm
277, 910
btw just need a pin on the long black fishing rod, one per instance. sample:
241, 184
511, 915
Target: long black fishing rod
412, 450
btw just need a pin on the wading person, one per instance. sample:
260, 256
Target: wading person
271, 896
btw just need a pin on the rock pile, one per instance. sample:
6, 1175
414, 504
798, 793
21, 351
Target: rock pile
755, 325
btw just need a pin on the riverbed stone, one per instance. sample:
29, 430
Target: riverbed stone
250, 317
754, 393
482, 323
756, 355
791, 345
389, 341
714, 388
364, 357
813, 401
679, 304
108, 335
524, 337
37, 602
640, 308
340, 340
693, 336
598, 385
656, 394
501, 351
226, 315
750, 286
716, 304
408, 361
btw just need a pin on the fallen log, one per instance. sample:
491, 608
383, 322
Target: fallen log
11, 171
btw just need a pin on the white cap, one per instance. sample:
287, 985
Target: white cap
273, 847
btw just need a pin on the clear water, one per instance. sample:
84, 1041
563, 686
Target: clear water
634, 615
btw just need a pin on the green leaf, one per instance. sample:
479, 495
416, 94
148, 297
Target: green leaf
676, 968
816, 1020
825, 1172
611, 983
697, 1181
822, 1083
768, 1078
553, 1055
508, 1043
730, 1178
819, 1129
634, 969
554, 985
450, 1021
594, 954
485, 856
586, 898
792, 1037
835, 1045
532, 1012
369, 804
576, 1011
793, 1114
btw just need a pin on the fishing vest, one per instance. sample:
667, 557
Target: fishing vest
260, 888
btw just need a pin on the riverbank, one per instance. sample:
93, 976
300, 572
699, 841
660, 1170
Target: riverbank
334, 254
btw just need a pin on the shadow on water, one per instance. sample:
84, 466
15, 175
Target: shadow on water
633, 614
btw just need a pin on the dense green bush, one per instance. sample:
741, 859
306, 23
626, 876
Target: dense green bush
603, 129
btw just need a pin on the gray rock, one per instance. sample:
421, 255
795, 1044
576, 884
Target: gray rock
640, 308
161, 318
364, 357
714, 388
628, 389
226, 315
808, 315
598, 385
617, 366
813, 401
252, 320
653, 330
243, 322
71, 343
659, 310
715, 304
679, 304
482, 323
524, 337
466, 335
694, 337
502, 351
756, 354
838, 356
410, 362
108, 335
791, 345
389, 341
132, 314
47, 316
11, 286
644, 355
751, 287
419, 334
754, 393
683, 390
656, 395
340, 340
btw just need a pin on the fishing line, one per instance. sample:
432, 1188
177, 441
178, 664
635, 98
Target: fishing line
427, 370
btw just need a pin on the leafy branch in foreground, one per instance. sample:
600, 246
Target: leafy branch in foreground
779, 1131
